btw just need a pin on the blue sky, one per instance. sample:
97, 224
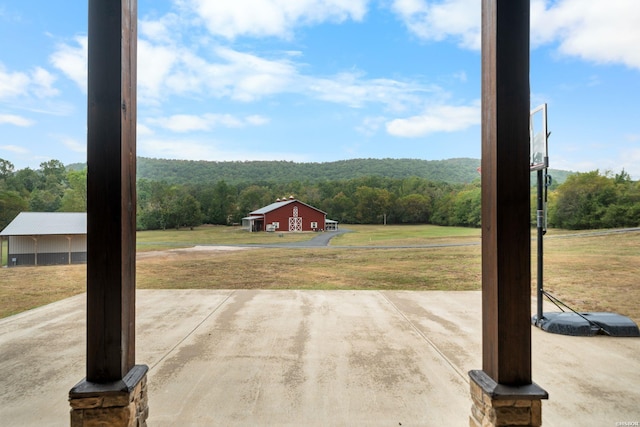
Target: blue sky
322, 80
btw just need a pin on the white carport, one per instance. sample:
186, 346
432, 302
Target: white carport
330, 225
252, 223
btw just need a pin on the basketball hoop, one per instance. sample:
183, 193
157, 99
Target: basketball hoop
538, 137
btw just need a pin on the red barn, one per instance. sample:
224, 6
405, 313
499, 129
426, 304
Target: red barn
288, 215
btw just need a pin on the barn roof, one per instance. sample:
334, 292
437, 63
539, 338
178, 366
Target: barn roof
277, 205
46, 223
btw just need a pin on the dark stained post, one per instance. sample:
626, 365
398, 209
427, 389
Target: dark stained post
506, 236
111, 195
111, 223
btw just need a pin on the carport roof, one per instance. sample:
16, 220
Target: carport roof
46, 223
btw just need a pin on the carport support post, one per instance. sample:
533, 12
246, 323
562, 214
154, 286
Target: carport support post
114, 390
502, 392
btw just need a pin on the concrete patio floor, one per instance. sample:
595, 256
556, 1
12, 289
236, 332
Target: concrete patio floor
308, 358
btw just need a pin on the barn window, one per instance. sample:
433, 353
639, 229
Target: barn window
314, 225
276, 224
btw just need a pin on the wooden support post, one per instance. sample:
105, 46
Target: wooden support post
114, 387
506, 236
111, 194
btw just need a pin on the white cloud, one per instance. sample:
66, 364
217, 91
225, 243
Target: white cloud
168, 70
21, 86
277, 18
629, 161
371, 125
154, 66
438, 21
594, 30
164, 29
174, 149
43, 83
15, 120
252, 77
443, 118
143, 130
193, 149
460, 76
12, 83
257, 120
14, 149
72, 61
632, 137
205, 122
73, 144
354, 90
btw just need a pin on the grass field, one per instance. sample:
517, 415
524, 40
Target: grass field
211, 235
404, 235
590, 272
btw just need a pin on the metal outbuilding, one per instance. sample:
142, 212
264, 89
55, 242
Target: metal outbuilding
46, 238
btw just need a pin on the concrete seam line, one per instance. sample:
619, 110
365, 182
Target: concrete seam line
192, 331
462, 375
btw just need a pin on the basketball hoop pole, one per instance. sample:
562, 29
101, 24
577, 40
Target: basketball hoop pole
541, 218
541, 231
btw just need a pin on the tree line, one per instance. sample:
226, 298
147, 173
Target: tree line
584, 201
367, 200
51, 188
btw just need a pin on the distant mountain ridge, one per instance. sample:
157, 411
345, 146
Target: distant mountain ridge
234, 172
454, 171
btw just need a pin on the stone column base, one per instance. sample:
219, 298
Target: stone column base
499, 405
121, 403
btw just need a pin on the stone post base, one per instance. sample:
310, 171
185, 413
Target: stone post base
121, 403
499, 405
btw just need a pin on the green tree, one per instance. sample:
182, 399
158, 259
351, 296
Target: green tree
372, 205
185, 211
222, 205
413, 209
26, 180
582, 201
153, 205
11, 204
44, 201
6, 169
254, 197
54, 169
74, 198
467, 208
340, 208
444, 208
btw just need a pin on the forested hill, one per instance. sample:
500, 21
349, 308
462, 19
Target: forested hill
453, 171
461, 170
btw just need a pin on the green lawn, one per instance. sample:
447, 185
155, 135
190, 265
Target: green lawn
212, 235
404, 235
591, 271
359, 235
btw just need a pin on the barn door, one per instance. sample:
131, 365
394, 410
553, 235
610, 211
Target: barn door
295, 222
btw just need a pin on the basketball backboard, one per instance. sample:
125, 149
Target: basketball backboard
538, 135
